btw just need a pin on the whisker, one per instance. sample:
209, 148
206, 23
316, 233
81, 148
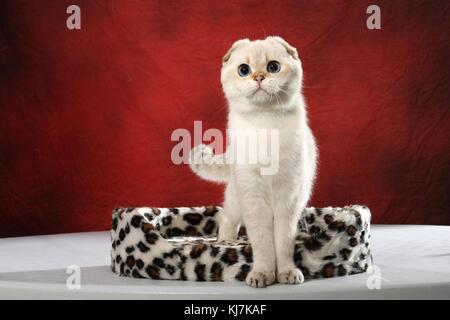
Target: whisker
278, 99
283, 91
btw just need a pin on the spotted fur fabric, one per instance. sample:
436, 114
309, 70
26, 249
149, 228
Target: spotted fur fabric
180, 244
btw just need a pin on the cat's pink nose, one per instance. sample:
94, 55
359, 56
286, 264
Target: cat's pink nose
258, 77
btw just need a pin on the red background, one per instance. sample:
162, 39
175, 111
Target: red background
87, 115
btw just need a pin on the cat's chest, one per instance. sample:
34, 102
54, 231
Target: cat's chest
271, 134
284, 126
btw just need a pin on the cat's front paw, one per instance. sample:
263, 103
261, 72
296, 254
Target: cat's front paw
200, 155
260, 279
291, 276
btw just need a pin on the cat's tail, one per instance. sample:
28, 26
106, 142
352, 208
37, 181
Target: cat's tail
208, 166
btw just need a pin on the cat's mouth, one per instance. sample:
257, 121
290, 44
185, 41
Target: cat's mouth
260, 96
260, 89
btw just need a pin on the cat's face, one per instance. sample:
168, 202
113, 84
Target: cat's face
261, 74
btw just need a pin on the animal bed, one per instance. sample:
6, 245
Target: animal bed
180, 244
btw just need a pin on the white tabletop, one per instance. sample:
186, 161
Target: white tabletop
411, 261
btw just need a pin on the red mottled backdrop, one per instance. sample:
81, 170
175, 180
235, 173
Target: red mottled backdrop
87, 115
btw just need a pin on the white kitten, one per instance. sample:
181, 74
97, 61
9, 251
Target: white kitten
262, 82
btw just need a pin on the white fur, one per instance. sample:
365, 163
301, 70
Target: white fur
269, 206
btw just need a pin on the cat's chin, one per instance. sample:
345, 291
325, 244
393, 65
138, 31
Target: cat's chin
262, 101
266, 100
262, 97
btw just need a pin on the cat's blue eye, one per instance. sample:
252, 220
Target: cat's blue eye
273, 66
244, 70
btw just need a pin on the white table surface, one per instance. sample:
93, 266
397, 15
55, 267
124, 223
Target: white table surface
411, 262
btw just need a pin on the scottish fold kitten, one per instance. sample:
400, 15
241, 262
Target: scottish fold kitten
262, 83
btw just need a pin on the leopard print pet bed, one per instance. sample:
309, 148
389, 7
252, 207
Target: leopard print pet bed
180, 244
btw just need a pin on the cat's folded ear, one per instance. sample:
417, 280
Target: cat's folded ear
290, 49
235, 45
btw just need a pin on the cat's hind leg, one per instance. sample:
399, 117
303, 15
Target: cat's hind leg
231, 218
